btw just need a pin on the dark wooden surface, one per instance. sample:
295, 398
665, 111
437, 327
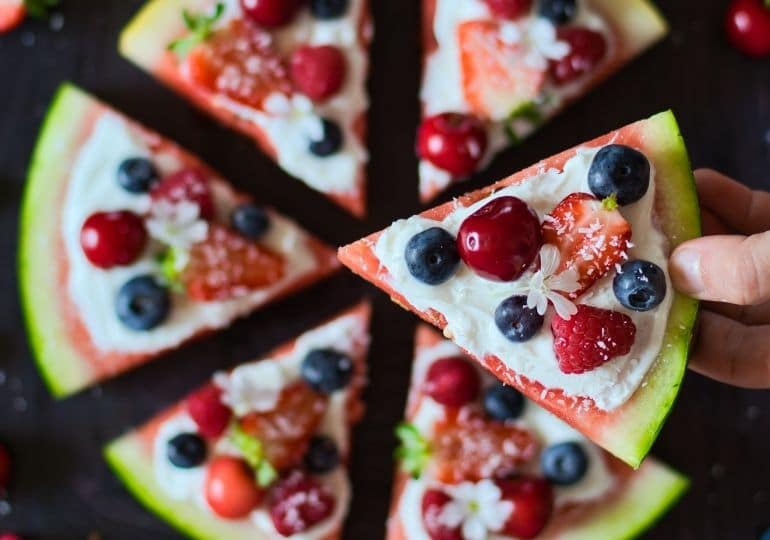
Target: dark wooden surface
719, 436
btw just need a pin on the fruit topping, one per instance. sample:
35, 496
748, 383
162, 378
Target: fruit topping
329, 9
208, 412
503, 403
591, 235
230, 489
12, 13
516, 321
474, 510
298, 502
188, 185
433, 503
586, 49
186, 450
10, 536
137, 175
318, 71
748, 26
453, 142
142, 303
327, 370
5, 469
564, 464
330, 142
591, 338
226, 266
270, 13
532, 500
250, 221
620, 171
112, 239
640, 285
509, 9
431, 256
557, 11
500, 240
322, 455
452, 381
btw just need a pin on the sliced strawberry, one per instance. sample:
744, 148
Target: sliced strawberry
227, 265
496, 77
239, 62
12, 12
592, 237
186, 185
285, 432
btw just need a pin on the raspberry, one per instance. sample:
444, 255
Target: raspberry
298, 502
186, 185
208, 412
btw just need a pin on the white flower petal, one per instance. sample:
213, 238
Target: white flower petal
563, 306
277, 104
465, 491
487, 490
252, 387
474, 529
495, 514
549, 259
452, 514
568, 281
510, 33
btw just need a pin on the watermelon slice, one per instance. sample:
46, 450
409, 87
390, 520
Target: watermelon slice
70, 355
176, 495
500, 69
283, 135
12, 12
628, 428
610, 501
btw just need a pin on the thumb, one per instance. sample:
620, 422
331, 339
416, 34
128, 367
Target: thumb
733, 269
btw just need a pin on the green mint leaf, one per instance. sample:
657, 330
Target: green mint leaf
253, 453
414, 451
39, 8
170, 268
200, 26
528, 112
266, 474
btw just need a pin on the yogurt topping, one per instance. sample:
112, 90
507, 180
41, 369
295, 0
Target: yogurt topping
468, 301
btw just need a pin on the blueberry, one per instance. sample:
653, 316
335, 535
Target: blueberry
503, 402
640, 285
250, 221
621, 171
322, 455
564, 464
557, 11
142, 303
137, 175
331, 141
432, 256
186, 450
327, 370
516, 321
328, 9
765, 535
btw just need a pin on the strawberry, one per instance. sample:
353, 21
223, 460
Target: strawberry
590, 338
227, 265
186, 185
12, 12
433, 503
496, 78
208, 412
532, 500
592, 237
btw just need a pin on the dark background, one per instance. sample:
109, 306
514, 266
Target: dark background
717, 435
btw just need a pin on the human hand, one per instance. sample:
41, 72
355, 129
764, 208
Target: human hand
730, 270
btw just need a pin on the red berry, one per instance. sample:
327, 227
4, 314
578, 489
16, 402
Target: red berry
5, 469
452, 141
501, 239
452, 382
748, 26
9, 536
11, 14
208, 412
590, 338
186, 185
270, 13
318, 71
532, 500
433, 502
112, 239
298, 502
509, 9
587, 49
230, 487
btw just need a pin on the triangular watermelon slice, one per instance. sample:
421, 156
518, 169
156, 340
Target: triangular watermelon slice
622, 403
302, 430
600, 498
508, 67
72, 306
296, 85
12, 12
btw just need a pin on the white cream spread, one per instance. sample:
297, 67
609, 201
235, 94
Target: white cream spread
468, 301
93, 187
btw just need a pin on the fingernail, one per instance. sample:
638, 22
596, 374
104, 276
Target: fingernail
686, 271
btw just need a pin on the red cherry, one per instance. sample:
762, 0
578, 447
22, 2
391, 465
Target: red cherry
532, 500
509, 9
318, 72
452, 381
5, 469
501, 239
270, 13
433, 502
452, 141
230, 488
587, 49
9, 536
208, 412
113, 239
748, 26
186, 185
298, 502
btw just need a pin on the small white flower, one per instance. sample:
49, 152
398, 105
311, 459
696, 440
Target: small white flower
543, 44
177, 224
251, 387
544, 285
477, 508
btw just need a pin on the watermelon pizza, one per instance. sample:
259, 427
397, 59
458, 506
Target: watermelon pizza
291, 75
260, 451
478, 460
130, 246
495, 70
555, 279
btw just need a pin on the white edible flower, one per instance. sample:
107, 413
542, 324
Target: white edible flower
539, 39
477, 508
544, 285
177, 224
297, 108
252, 387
